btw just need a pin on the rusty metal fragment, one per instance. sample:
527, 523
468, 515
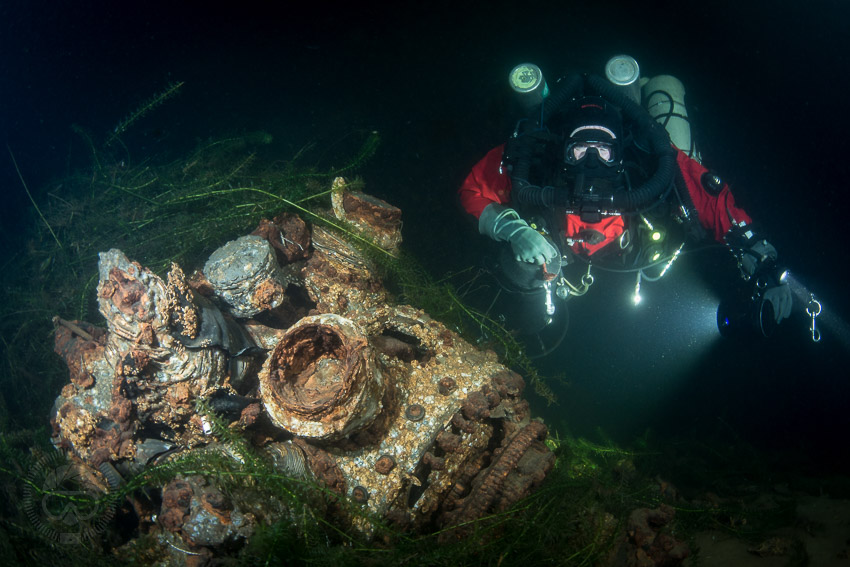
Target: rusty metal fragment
138, 374
198, 512
81, 345
288, 235
246, 275
373, 218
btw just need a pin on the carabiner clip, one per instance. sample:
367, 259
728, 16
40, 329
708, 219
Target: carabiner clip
813, 309
550, 306
547, 286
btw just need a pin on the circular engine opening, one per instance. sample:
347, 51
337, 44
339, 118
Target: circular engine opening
309, 369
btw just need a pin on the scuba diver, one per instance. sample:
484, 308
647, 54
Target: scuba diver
602, 175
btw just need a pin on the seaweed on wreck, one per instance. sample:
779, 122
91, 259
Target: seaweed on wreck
581, 516
577, 518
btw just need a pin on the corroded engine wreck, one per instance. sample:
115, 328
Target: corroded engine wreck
290, 337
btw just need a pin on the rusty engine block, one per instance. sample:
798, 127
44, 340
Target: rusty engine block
290, 334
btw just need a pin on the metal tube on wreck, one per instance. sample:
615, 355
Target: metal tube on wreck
321, 381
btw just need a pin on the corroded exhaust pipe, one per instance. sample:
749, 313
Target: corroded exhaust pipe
321, 381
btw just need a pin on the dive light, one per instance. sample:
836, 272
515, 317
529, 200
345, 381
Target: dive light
747, 311
528, 81
623, 72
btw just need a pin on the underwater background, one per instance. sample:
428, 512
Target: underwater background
767, 86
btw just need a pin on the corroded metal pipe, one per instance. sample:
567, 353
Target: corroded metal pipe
321, 381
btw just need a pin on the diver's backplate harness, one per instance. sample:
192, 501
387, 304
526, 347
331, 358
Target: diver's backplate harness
545, 189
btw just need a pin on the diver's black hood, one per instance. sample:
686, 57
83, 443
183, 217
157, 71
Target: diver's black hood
621, 197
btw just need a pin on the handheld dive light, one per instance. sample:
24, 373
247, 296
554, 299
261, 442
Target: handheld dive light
746, 311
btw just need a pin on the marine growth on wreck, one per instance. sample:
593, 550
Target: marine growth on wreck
287, 341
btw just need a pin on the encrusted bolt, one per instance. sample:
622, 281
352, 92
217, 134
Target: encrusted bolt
447, 386
359, 494
414, 412
436, 463
384, 464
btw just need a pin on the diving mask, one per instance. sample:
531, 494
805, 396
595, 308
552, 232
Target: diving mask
580, 150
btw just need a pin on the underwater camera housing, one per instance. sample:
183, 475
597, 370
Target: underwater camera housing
746, 311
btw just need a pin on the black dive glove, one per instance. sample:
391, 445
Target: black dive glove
758, 261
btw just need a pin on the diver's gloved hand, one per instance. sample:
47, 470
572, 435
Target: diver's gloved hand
779, 297
503, 224
778, 293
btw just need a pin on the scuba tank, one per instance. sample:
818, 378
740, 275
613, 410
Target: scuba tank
664, 99
662, 96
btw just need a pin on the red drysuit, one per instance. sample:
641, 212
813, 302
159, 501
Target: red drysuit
489, 183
